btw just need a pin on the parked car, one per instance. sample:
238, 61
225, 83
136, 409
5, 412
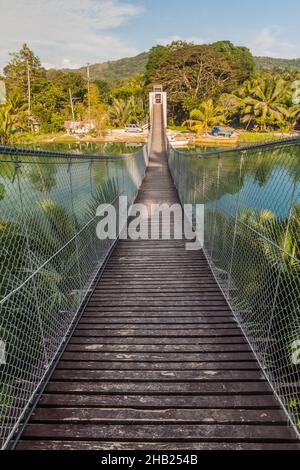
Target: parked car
134, 128
222, 131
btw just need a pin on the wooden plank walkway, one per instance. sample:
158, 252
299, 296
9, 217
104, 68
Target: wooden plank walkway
158, 361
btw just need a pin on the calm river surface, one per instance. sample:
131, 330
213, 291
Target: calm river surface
270, 179
40, 179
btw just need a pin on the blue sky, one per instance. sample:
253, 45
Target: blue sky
69, 33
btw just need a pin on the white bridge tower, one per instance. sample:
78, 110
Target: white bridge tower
158, 96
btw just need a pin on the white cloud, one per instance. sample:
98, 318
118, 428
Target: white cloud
66, 32
170, 39
269, 42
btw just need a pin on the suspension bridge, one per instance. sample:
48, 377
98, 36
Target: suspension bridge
143, 344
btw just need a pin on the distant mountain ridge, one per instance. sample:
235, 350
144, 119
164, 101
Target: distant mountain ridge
122, 69
271, 63
116, 70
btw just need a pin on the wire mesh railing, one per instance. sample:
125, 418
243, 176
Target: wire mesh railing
49, 258
251, 200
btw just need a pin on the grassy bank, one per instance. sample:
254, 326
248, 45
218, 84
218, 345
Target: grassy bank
61, 138
256, 137
29, 138
240, 138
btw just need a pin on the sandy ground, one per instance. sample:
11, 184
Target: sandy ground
111, 136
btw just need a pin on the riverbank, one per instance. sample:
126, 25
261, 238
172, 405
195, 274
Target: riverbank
111, 136
120, 136
238, 138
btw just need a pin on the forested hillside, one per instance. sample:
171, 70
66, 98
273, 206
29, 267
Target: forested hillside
118, 70
271, 63
207, 85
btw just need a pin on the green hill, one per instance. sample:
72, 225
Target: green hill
271, 63
117, 70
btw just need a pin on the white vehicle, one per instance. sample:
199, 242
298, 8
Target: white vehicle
133, 128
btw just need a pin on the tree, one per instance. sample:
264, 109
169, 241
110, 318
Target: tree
206, 116
99, 113
6, 124
124, 112
156, 55
52, 105
230, 105
241, 59
292, 117
265, 104
24, 76
104, 90
193, 74
134, 87
10, 119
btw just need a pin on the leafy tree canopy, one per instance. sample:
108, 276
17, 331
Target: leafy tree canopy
241, 58
15, 72
191, 74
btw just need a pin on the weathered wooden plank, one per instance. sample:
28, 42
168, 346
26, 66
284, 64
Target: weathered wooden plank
161, 388
195, 282
184, 296
89, 325
111, 320
192, 333
159, 357
152, 286
168, 317
132, 348
250, 402
168, 433
161, 276
158, 259
148, 309
158, 376
174, 366
180, 416
159, 263
124, 446
155, 287
217, 328
155, 303
182, 271
182, 341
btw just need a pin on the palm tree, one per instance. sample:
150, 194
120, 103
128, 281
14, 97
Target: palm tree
230, 104
265, 103
293, 117
124, 112
12, 116
207, 115
6, 123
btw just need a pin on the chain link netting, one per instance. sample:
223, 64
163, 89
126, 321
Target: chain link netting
49, 258
252, 228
